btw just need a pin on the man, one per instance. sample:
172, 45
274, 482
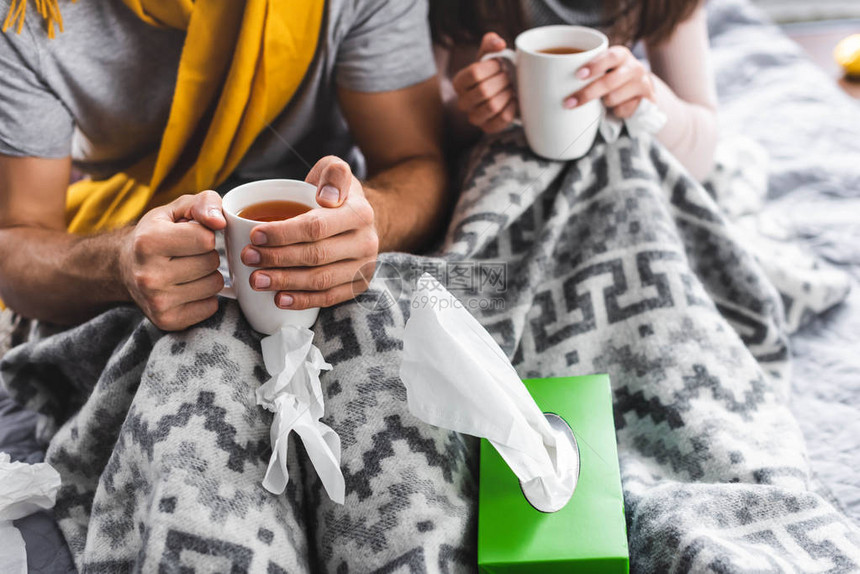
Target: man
162, 101
101, 94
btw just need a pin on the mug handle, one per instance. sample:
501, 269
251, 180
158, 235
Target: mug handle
229, 292
511, 56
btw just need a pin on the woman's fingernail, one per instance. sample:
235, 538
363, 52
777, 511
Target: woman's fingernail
258, 238
330, 193
570, 102
252, 257
285, 300
216, 213
262, 281
583, 73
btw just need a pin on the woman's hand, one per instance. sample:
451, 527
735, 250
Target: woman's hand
484, 89
623, 84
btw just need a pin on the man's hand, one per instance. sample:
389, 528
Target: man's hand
322, 257
169, 264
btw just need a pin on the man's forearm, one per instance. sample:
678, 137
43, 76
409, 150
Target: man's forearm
58, 277
410, 202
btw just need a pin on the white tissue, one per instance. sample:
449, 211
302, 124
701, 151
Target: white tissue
647, 118
294, 395
24, 489
458, 378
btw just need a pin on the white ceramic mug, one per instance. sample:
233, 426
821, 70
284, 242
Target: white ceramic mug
259, 306
544, 81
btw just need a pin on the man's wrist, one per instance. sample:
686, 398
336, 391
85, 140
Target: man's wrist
379, 216
123, 264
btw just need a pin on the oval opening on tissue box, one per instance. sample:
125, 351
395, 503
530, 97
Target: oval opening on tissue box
560, 425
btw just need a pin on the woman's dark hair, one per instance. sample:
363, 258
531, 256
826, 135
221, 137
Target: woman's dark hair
627, 21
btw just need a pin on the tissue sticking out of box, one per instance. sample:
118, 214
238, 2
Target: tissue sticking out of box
458, 378
294, 395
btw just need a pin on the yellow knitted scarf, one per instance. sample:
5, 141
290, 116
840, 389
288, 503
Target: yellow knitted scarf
241, 63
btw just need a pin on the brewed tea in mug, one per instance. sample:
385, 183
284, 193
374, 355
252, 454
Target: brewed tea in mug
561, 50
278, 210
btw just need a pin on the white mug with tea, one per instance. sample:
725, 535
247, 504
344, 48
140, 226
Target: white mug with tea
245, 207
546, 61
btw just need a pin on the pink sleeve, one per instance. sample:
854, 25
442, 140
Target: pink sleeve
685, 90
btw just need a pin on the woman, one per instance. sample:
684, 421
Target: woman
680, 80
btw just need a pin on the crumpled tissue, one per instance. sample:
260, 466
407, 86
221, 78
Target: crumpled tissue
24, 489
294, 395
647, 118
458, 378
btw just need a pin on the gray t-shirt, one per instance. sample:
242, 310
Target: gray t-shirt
101, 91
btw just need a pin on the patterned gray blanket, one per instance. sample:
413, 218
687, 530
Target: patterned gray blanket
616, 263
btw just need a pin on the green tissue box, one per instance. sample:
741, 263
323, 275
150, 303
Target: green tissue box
589, 534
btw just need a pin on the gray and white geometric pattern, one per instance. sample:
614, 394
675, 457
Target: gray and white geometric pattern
618, 262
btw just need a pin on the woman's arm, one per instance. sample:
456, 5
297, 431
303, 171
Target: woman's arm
681, 83
684, 89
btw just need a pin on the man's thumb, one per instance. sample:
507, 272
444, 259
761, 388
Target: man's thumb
206, 210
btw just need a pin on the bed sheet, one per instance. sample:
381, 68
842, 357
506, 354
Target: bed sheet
770, 91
